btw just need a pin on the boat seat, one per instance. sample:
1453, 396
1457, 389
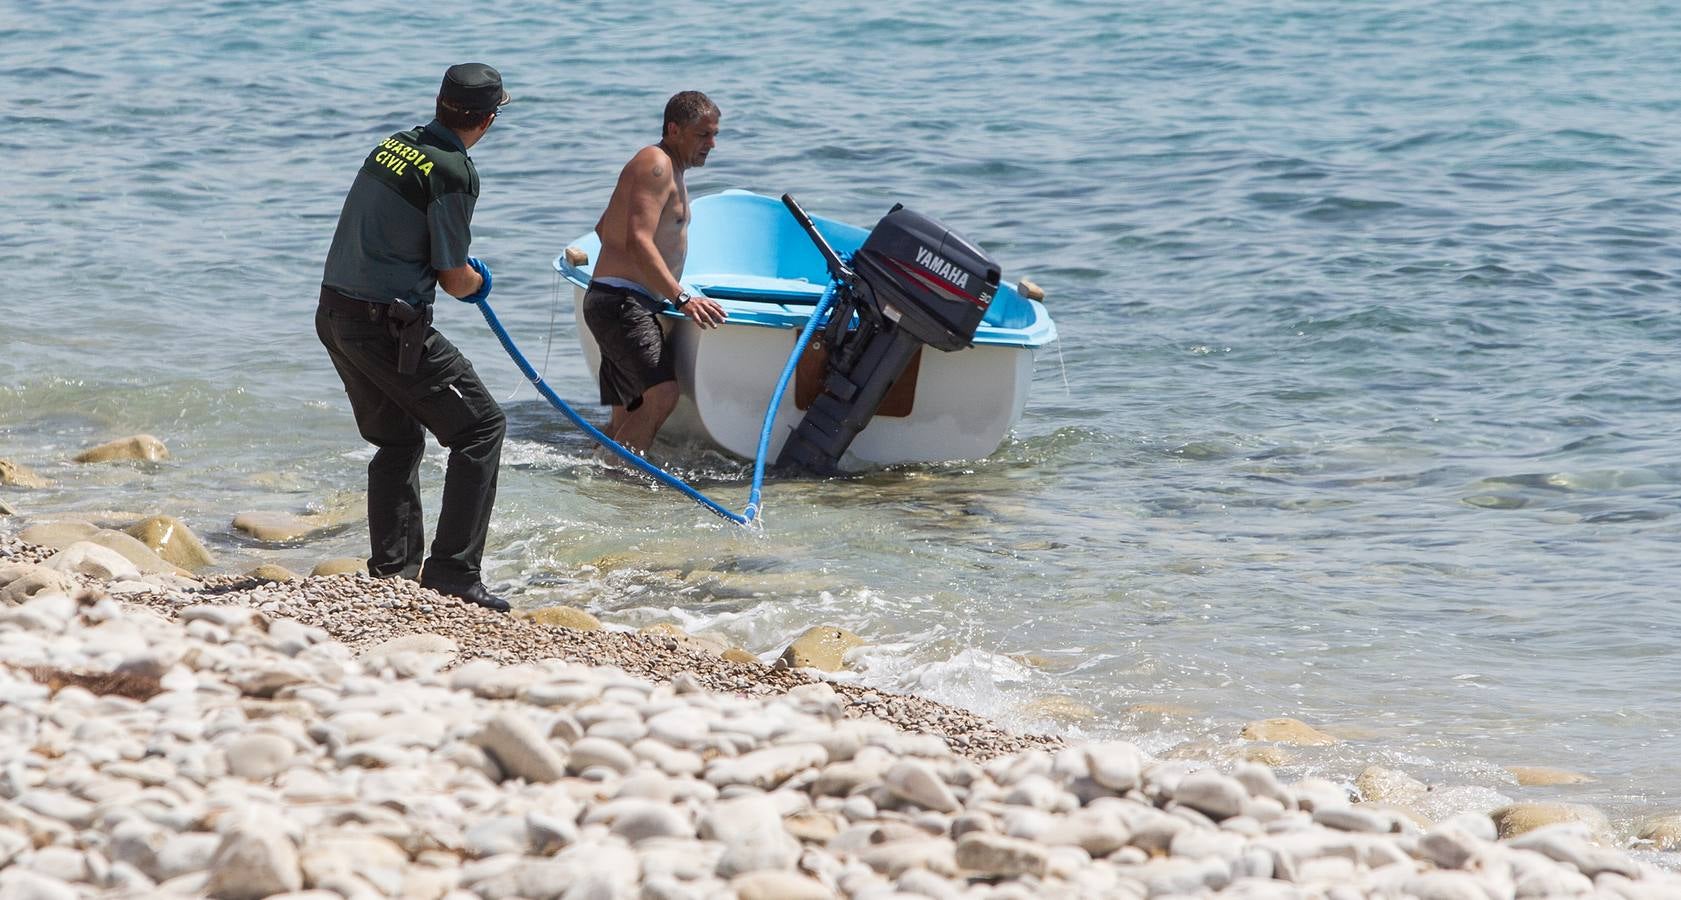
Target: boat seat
764, 288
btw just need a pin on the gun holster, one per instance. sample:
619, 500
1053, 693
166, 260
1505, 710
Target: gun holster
407, 324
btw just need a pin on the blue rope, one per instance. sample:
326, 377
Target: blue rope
748, 516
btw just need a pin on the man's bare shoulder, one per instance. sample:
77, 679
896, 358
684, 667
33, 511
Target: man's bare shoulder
650, 166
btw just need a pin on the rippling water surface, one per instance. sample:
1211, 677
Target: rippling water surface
1366, 408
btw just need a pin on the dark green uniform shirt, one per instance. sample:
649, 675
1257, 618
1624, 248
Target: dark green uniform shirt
405, 218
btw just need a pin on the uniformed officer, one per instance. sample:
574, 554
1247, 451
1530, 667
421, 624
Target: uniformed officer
404, 232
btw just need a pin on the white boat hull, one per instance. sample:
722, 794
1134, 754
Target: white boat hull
965, 401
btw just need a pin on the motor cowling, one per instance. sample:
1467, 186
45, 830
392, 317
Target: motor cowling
927, 278
913, 282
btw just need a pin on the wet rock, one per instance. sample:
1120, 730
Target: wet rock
1061, 708
738, 655
173, 541
1382, 785
1661, 832
1287, 731
279, 528
1522, 818
13, 474
143, 447
823, 647
1542, 776
1268, 755
58, 535
562, 617
272, 572
340, 565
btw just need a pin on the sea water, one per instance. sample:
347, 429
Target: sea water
1365, 410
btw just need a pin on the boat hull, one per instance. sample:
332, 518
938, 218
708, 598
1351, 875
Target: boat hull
964, 402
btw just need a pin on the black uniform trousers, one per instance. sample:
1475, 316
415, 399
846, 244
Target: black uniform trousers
443, 396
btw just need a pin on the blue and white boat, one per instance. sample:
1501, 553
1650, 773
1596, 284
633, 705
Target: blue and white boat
756, 257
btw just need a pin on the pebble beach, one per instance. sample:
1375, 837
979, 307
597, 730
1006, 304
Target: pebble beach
341, 736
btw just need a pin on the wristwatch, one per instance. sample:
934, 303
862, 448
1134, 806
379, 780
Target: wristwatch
681, 299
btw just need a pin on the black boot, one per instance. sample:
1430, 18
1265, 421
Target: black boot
475, 592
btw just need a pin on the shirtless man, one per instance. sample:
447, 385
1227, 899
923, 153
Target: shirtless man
644, 239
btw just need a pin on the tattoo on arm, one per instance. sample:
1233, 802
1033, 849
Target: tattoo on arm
659, 171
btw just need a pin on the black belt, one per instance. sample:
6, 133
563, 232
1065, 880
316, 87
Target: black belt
351, 306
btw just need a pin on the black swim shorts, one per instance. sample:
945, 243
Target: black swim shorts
634, 353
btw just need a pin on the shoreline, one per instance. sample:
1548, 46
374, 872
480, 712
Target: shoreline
244, 738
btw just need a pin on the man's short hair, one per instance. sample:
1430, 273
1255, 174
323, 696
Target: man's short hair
686, 108
461, 120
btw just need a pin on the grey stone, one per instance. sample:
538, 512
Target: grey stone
772, 884
767, 768
61, 863
549, 830
1534, 875
253, 861
1567, 843
498, 835
681, 728
1262, 782
1348, 818
520, 749
17, 883
937, 855
750, 828
593, 751
637, 820
1215, 795
997, 856
1448, 846
258, 757
94, 561
57, 805
915, 781
183, 854
1117, 766
1444, 886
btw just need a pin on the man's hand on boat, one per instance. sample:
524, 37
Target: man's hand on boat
706, 311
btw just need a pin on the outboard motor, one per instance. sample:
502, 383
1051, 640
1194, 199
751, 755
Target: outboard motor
914, 282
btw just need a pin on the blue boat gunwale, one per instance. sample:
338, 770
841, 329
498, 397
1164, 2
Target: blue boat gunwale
784, 299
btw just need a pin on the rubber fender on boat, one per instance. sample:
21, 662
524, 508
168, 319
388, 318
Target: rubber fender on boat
577, 257
1023, 287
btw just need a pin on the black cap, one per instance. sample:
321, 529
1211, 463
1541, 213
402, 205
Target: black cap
472, 88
